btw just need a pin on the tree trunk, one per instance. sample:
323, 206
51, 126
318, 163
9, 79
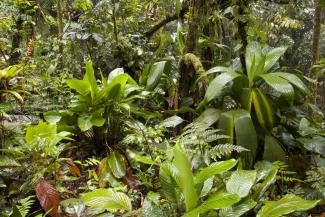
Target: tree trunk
15, 44
242, 34
316, 46
60, 31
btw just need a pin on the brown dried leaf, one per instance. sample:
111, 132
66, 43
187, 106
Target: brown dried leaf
73, 168
48, 197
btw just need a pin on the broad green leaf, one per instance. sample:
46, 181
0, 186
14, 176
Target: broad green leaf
185, 175
107, 199
73, 206
273, 150
315, 144
220, 69
209, 116
171, 121
272, 57
253, 55
238, 209
270, 178
213, 169
247, 98
84, 123
245, 135
217, 85
241, 182
151, 209
114, 73
294, 80
115, 89
279, 85
156, 71
116, 164
218, 200
286, 205
227, 124
81, 86
97, 121
263, 109
90, 77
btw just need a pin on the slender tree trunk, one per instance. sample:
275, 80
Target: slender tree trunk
114, 22
242, 33
16, 40
59, 18
316, 46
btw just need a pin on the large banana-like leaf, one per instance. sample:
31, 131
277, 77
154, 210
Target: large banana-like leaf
279, 85
245, 135
241, 182
263, 109
272, 57
218, 200
107, 199
216, 86
213, 169
273, 150
186, 179
239, 121
227, 123
294, 80
286, 205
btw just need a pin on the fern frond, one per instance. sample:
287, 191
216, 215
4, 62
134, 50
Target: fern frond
25, 205
225, 149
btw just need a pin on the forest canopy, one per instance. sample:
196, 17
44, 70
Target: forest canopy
162, 108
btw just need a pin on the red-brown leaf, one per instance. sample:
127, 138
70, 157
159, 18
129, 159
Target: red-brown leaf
48, 197
73, 168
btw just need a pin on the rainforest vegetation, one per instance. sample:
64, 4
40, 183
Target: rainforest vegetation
162, 108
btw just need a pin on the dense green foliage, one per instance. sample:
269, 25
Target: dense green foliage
192, 108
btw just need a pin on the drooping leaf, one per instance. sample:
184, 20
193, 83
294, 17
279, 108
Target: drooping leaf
241, 182
107, 199
213, 169
84, 123
75, 171
279, 85
81, 86
186, 180
217, 85
286, 205
156, 71
218, 200
294, 80
263, 109
239, 209
48, 197
273, 150
272, 57
116, 164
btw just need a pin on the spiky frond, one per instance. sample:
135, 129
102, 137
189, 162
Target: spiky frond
25, 205
200, 133
225, 149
